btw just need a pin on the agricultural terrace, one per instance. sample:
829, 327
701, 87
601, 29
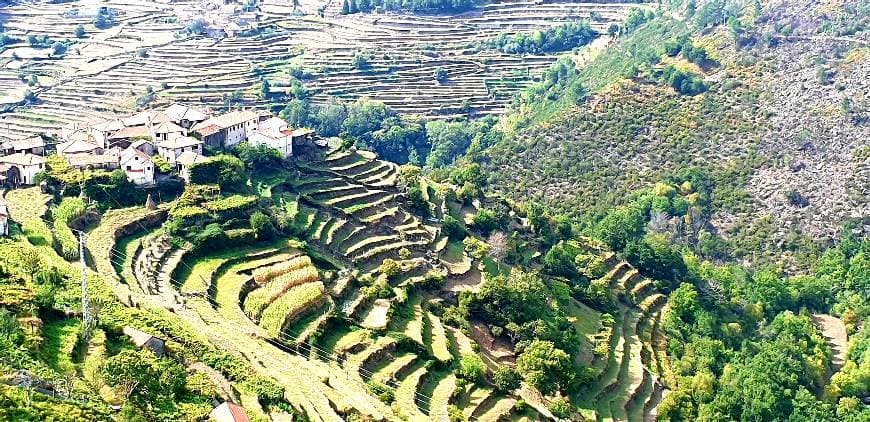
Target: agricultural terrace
357, 289
60, 68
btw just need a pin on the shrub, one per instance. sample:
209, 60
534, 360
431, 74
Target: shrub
453, 228
506, 379
471, 368
80, 31
262, 226
560, 407
225, 170
440, 74
212, 237
390, 268
383, 393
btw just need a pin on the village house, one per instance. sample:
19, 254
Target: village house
166, 131
124, 137
33, 145
138, 167
107, 161
184, 116
171, 149
274, 133
146, 341
21, 168
187, 159
227, 130
78, 147
147, 147
100, 132
228, 412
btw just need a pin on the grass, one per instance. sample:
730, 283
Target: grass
408, 318
441, 394
587, 398
454, 253
60, 340
587, 322
125, 248
439, 345
407, 400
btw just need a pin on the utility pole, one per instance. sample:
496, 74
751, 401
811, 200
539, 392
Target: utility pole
87, 318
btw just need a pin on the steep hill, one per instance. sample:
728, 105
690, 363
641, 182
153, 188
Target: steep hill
781, 129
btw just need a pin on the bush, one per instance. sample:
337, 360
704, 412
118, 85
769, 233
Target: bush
224, 170
360, 61
506, 379
80, 31
211, 238
561, 408
262, 226
471, 368
389, 268
453, 228
440, 74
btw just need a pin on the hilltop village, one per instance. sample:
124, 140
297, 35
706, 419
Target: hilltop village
136, 144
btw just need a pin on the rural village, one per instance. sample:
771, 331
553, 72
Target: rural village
433, 210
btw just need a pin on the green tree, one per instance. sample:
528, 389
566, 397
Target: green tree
471, 368
546, 367
453, 228
506, 379
262, 226
143, 378
80, 31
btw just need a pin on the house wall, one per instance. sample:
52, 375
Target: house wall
99, 138
28, 173
139, 172
239, 132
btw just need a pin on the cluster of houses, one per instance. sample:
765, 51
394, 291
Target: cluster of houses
176, 134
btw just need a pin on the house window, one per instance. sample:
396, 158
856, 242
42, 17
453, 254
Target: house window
129, 168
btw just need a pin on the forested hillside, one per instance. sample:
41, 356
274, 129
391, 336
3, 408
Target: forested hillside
767, 100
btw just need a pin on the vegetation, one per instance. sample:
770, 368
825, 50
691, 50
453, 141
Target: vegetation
559, 38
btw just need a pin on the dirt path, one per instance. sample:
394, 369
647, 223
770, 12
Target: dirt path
835, 335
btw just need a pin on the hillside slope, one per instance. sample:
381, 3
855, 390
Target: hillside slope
781, 130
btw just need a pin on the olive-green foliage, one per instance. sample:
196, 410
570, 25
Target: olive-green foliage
224, 170
471, 368
546, 367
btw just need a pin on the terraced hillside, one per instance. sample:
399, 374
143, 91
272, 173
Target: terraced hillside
108, 71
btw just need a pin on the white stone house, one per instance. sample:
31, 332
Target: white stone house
171, 149
187, 159
33, 145
166, 131
100, 132
228, 129
79, 147
21, 168
138, 167
184, 116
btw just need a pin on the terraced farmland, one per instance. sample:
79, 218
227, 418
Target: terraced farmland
106, 71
